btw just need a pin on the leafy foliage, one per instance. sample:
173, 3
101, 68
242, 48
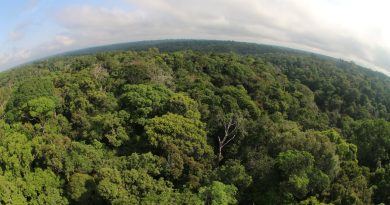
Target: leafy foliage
260, 125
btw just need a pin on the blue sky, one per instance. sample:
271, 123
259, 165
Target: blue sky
354, 30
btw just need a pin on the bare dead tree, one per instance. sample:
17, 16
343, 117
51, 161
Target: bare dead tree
99, 73
231, 125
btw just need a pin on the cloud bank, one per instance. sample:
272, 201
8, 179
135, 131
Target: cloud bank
352, 30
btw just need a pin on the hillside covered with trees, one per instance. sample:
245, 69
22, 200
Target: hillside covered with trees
199, 122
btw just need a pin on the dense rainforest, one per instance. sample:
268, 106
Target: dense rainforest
210, 123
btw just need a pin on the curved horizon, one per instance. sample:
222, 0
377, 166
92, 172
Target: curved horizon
35, 29
102, 48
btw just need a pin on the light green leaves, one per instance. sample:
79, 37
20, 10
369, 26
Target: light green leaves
218, 194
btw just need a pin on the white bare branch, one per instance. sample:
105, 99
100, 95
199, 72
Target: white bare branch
231, 126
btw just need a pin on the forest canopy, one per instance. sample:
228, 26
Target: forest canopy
238, 124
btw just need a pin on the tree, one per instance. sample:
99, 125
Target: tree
183, 105
132, 186
231, 126
296, 167
232, 172
11, 193
109, 128
381, 181
311, 201
82, 189
373, 142
39, 110
144, 101
33, 88
182, 141
218, 193
43, 187
67, 157
16, 153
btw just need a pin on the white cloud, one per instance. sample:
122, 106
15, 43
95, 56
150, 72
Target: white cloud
31, 4
19, 32
15, 35
15, 56
352, 29
12, 56
60, 42
95, 26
